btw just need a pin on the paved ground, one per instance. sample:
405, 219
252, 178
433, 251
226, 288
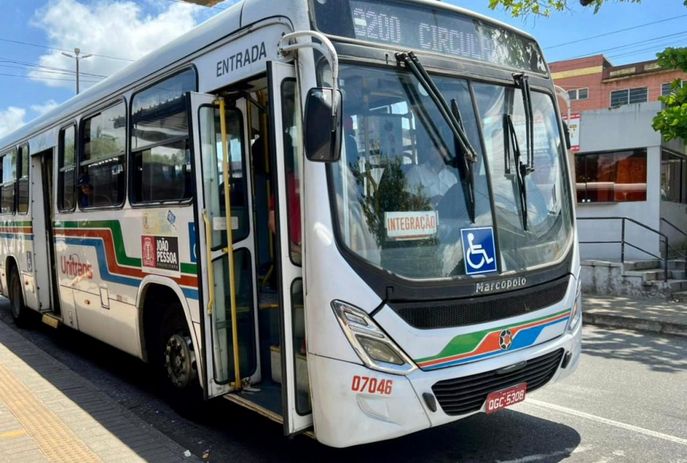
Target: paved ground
67, 397
50, 413
650, 315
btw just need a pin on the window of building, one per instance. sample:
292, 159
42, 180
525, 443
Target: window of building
673, 177
611, 177
160, 152
66, 173
578, 94
667, 88
23, 181
629, 96
9, 177
102, 178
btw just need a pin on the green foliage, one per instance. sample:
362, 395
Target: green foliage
671, 121
545, 7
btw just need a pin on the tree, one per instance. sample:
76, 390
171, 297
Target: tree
671, 121
546, 7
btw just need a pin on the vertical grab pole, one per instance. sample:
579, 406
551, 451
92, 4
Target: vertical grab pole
230, 244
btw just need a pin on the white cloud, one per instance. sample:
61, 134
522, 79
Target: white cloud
11, 119
112, 28
41, 109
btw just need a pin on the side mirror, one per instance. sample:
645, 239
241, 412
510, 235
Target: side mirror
323, 125
566, 132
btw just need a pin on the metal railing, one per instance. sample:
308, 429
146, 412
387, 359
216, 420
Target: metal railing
623, 241
674, 227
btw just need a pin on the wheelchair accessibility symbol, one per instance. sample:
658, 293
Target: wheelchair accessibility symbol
479, 250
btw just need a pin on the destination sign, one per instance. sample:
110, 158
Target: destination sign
428, 28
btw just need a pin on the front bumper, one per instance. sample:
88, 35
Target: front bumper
355, 405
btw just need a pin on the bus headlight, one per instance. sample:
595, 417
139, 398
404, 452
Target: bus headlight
576, 314
370, 342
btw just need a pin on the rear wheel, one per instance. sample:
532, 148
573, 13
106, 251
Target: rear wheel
19, 311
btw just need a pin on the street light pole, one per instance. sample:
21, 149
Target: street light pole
77, 58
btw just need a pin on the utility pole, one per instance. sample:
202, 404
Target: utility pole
77, 58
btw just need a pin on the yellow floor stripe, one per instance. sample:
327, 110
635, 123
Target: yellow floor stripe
12, 434
57, 442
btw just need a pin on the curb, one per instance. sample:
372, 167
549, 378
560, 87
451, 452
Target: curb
638, 324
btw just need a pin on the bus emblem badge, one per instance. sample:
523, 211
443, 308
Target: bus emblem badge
478, 250
505, 339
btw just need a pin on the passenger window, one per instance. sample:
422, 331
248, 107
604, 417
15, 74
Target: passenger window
101, 181
23, 182
66, 188
9, 176
292, 158
160, 152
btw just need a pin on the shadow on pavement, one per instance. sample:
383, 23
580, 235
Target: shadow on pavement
661, 353
79, 396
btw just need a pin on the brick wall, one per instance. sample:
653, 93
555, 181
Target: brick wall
601, 78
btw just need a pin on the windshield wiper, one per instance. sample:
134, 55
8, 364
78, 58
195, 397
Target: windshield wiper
511, 140
468, 155
522, 82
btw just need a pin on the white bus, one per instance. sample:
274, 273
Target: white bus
400, 250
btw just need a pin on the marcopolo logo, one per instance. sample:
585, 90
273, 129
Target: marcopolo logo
500, 285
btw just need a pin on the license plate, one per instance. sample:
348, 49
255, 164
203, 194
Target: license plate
498, 400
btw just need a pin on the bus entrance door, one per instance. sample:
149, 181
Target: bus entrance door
287, 161
229, 309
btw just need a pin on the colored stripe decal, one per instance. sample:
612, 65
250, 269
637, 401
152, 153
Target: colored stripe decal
116, 278
116, 232
484, 344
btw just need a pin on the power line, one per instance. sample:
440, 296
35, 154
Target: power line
615, 32
642, 42
2, 74
50, 68
46, 47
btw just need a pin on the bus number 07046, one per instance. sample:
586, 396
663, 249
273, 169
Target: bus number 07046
371, 385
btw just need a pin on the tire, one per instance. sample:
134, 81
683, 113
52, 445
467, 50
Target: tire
177, 364
19, 311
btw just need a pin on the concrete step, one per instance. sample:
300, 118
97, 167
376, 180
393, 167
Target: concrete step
679, 296
642, 265
676, 264
656, 275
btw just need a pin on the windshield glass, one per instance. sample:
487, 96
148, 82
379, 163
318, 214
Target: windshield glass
549, 219
400, 186
400, 192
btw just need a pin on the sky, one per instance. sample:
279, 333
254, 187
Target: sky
35, 76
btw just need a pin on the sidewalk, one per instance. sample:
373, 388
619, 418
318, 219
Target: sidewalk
48, 413
653, 315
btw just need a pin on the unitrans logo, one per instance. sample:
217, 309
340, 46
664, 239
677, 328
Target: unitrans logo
500, 285
73, 267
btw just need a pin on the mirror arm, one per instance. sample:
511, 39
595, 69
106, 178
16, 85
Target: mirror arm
289, 43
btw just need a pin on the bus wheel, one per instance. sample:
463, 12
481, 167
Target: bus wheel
19, 311
178, 367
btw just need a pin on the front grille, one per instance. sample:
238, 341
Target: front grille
467, 394
482, 309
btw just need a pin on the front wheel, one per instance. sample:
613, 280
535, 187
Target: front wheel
177, 364
19, 311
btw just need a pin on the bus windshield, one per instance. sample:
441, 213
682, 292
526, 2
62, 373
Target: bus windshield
400, 188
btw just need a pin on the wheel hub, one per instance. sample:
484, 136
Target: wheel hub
180, 360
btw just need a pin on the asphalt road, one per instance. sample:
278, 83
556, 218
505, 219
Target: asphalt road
625, 403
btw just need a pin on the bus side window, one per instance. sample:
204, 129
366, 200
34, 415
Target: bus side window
66, 187
102, 165
9, 175
160, 150
23, 181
